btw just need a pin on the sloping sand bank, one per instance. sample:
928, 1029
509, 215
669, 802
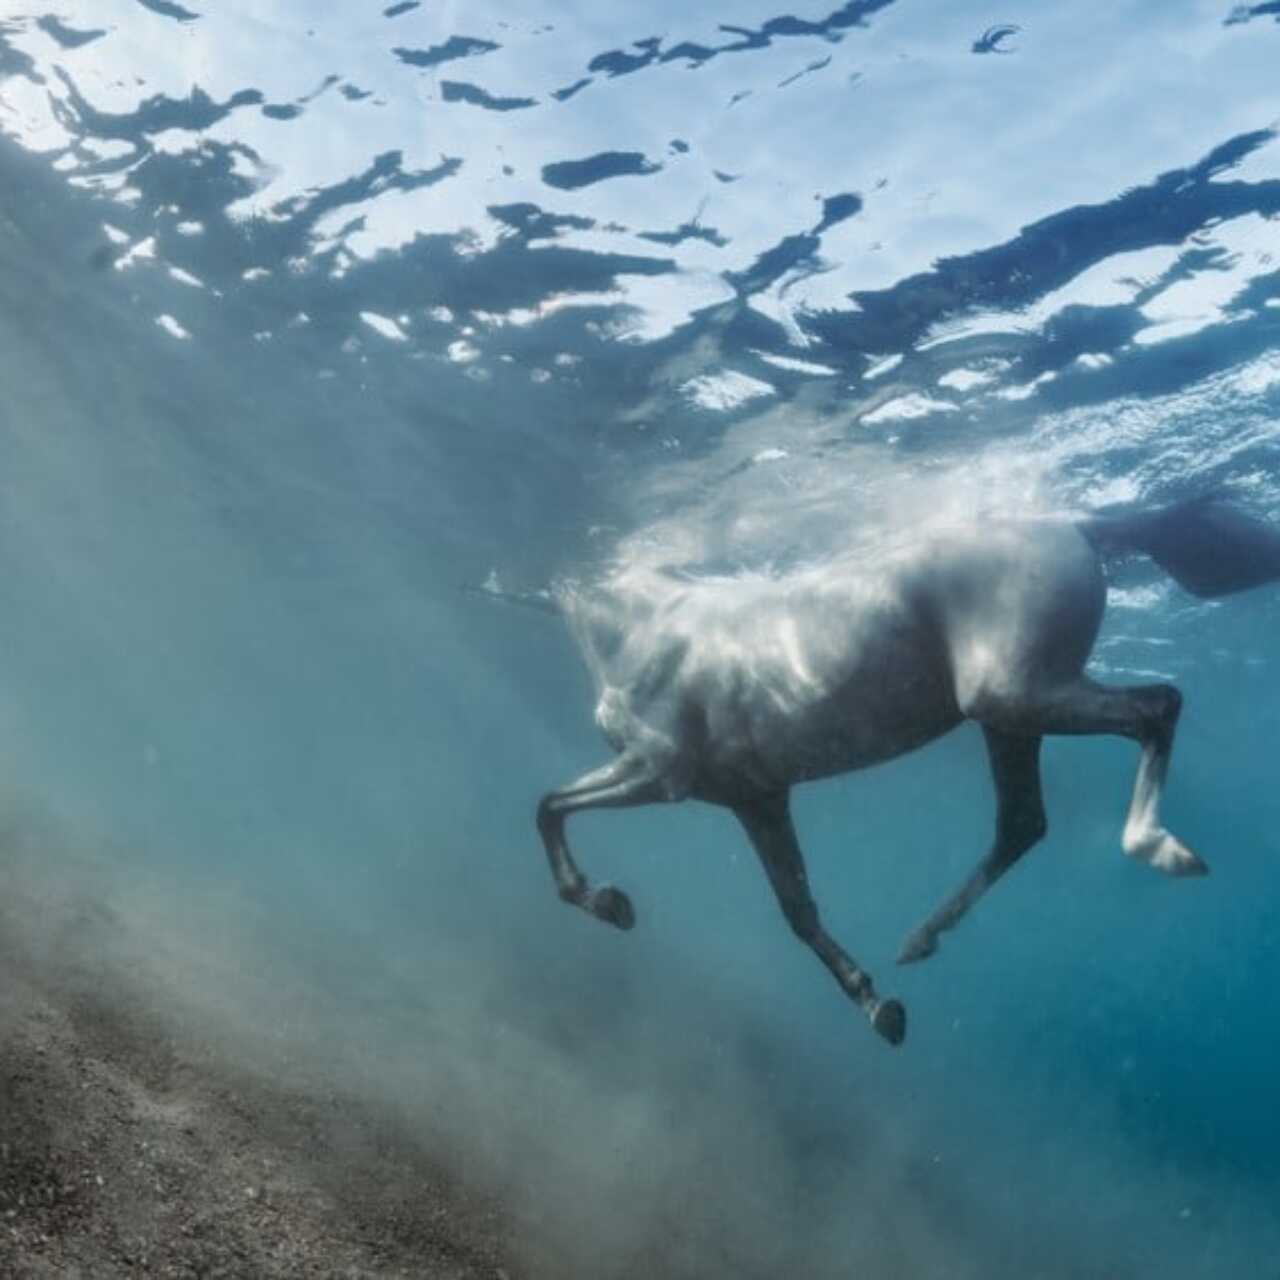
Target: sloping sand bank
128, 1148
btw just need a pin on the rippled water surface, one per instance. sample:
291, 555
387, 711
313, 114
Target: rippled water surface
312, 316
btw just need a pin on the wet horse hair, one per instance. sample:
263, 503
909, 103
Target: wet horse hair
733, 690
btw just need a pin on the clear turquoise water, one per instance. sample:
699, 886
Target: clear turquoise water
311, 320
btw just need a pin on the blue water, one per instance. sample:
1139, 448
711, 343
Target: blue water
310, 319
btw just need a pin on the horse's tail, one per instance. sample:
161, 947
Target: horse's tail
543, 600
1206, 545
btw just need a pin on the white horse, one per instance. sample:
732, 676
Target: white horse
732, 690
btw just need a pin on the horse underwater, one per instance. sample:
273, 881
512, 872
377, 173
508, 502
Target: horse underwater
733, 690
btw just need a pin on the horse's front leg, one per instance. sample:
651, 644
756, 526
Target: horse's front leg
767, 821
627, 781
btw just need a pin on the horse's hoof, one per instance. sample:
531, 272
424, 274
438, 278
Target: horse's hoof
918, 946
890, 1021
612, 906
1191, 865
1167, 853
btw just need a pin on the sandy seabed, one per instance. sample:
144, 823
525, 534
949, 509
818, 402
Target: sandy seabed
130, 1148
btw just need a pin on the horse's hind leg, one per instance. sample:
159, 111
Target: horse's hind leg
1020, 822
1144, 837
627, 781
767, 820
1146, 713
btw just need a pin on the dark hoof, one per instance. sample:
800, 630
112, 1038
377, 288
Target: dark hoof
612, 906
919, 946
890, 1020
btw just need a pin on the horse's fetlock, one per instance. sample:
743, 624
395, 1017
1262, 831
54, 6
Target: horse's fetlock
857, 984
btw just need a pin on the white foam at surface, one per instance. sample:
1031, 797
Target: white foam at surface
144, 250
965, 379
724, 391
882, 366
171, 326
384, 325
905, 408
798, 366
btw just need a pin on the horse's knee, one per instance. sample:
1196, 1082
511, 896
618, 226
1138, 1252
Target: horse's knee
546, 817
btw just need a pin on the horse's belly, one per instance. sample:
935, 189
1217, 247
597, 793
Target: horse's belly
773, 748
874, 734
